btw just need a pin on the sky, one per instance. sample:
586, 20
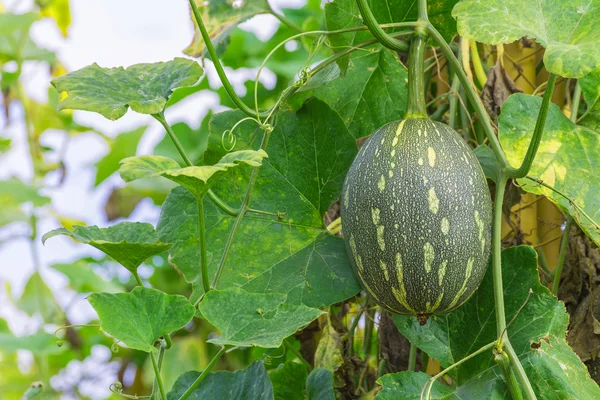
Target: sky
111, 33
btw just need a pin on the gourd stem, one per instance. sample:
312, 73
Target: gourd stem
523, 170
471, 95
575, 102
298, 355
412, 357
375, 29
519, 371
161, 386
503, 361
220, 71
564, 245
416, 82
422, 10
203, 375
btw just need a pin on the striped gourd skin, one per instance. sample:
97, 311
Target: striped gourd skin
417, 217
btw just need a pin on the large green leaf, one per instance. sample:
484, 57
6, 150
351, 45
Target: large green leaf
140, 317
111, 91
288, 381
124, 145
537, 335
219, 18
197, 180
129, 243
343, 14
253, 319
567, 29
251, 383
372, 92
568, 158
309, 154
408, 386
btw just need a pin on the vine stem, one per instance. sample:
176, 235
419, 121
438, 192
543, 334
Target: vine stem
202, 245
536, 138
298, 355
416, 83
375, 29
575, 102
429, 384
161, 386
203, 375
564, 245
285, 20
412, 357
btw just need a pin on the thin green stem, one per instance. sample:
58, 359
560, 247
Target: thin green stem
286, 21
203, 375
497, 257
351, 332
575, 102
336, 225
564, 245
202, 246
161, 386
429, 384
369, 325
383, 38
137, 278
298, 355
471, 95
238, 219
519, 371
161, 356
422, 10
160, 117
453, 101
503, 361
219, 68
416, 83
477, 65
412, 357
537, 133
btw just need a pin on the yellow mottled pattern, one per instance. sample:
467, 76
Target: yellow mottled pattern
442, 272
381, 183
445, 226
429, 256
380, 240
433, 201
400, 293
431, 156
384, 269
463, 288
431, 308
375, 215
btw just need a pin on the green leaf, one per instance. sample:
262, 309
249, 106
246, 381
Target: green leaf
38, 298
319, 385
60, 12
140, 317
111, 91
568, 156
197, 180
288, 381
194, 141
408, 385
16, 192
40, 343
15, 43
488, 161
83, 279
309, 154
261, 319
4, 144
537, 335
343, 14
219, 18
251, 383
568, 30
129, 243
371, 93
590, 86
124, 145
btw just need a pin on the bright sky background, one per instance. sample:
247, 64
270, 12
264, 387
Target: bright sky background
111, 33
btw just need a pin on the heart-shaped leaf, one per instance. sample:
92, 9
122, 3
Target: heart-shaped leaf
140, 317
197, 179
254, 319
129, 243
111, 91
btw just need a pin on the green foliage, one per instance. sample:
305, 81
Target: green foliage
261, 319
319, 385
40, 343
83, 279
140, 317
568, 30
251, 383
129, 243
288, 381
38, 298
15, 43
111, 91
567, 155
124, 145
